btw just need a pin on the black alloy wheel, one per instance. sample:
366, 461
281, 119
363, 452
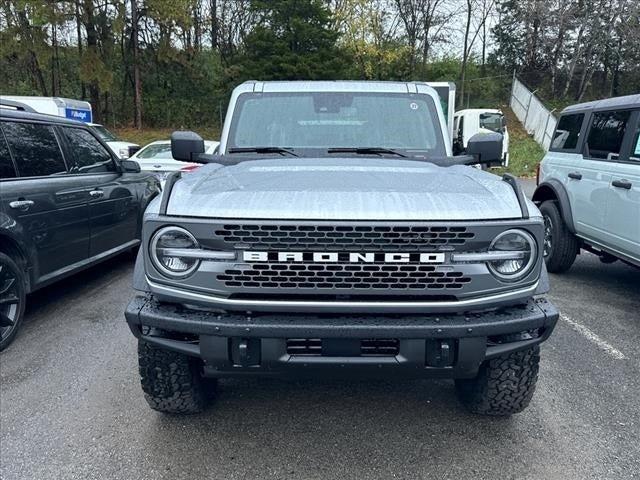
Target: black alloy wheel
12, 299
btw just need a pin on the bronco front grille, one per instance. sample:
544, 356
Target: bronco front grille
344, 237
332, 276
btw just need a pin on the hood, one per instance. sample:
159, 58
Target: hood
343, 189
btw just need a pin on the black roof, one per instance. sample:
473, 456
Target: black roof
615, 103
38, 117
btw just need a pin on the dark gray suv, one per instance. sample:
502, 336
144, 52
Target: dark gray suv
66, 202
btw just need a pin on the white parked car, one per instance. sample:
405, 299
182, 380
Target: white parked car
156, 157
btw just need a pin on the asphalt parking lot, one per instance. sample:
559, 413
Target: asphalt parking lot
71, 405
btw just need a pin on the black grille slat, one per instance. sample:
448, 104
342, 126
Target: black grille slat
304, 346
370, 347
344, 238
379, 346
332, 276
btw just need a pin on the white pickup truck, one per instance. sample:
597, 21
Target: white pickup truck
469, 122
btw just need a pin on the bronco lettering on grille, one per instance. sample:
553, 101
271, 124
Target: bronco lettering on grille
340, 257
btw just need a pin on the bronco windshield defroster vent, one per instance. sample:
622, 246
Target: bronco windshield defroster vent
345, 238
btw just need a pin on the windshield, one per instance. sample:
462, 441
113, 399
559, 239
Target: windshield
104, 134
491, 121
312, 123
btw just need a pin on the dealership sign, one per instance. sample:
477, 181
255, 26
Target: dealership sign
78, 114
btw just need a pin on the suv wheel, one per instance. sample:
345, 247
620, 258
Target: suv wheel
504, 385
173, 382
560, 245
12, 299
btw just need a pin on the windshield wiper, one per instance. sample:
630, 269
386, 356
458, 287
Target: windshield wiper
366, 151
280, 150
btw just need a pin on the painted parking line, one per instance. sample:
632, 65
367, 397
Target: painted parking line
593, 338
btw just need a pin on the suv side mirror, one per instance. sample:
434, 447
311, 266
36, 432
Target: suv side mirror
486, 148
130, 166
186, 145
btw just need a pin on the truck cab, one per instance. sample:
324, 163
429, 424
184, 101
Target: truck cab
470, 122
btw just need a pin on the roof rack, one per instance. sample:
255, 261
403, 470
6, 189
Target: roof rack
16, 105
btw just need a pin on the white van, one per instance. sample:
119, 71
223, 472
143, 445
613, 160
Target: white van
466, 123
75, 110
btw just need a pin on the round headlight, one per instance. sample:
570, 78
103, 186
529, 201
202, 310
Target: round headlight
169, 252
523, 248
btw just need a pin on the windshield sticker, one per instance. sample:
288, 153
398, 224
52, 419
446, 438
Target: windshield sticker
307, 123
413, 106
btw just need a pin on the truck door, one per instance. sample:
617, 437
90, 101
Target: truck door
49, 206
113, 205
623, 211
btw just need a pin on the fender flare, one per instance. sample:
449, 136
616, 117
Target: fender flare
554, 190
27, 255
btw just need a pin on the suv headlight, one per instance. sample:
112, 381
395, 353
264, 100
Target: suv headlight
522, 247
169, 251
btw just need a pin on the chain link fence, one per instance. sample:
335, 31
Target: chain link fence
535, 117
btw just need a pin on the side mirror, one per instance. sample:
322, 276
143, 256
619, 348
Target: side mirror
130, 166
486, 148
186, 145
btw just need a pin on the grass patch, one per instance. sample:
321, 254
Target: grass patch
148, 135
524, 151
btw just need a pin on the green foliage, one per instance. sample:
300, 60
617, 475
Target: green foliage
372, 53
509, 35
524, 152
183, 90
186, 78
148, 135
293, 41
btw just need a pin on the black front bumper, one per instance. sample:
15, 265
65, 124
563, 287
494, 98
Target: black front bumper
450, 345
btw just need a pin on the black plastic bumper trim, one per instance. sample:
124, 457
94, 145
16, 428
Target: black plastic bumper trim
216, 336
536, 313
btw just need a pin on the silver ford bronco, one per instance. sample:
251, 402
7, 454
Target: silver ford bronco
335, 234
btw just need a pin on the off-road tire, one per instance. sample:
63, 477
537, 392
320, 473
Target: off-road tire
504, 385
565, 245
173, 382
20, 293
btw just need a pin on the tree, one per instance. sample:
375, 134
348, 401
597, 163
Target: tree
292, 40
471, 33
137, 85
